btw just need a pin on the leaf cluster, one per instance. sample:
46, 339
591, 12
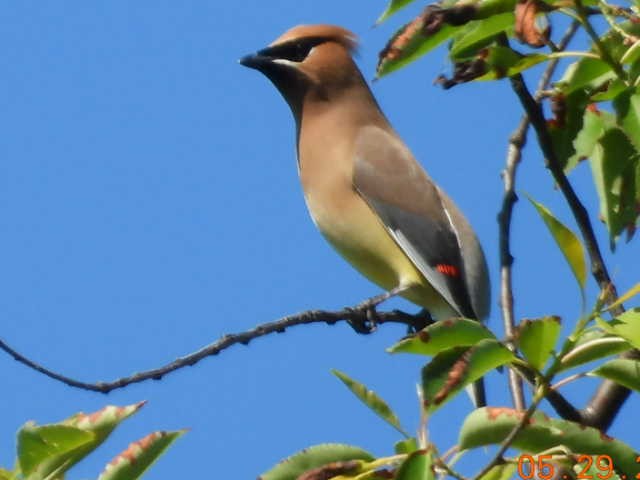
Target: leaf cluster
595, 104
47, 452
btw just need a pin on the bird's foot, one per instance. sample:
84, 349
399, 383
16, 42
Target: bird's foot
415, 322
363, 319
420, 320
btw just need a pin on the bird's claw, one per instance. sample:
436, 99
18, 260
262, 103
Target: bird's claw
421, 320
363, 319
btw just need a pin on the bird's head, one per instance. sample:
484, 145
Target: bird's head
308, 59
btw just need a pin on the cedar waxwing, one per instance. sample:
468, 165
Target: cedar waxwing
365, 191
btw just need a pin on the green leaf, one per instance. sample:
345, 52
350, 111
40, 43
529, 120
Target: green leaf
632, 292
314, 457
489, 426
616, 173
624, 371
614, 88
634, 73
417, 466
6, 474
632, 54
505, 471
586, 72
43, 445
568, 242
596, 347
478, 34
491, 8
372, 400
453, 369
591, 73
135, 460
96, 426
392, 8
408, 445
626, 325
627, 107
440, 336
503, 64
537, 339
593, 126
615, 43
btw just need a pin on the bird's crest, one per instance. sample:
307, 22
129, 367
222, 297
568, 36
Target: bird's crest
329, 32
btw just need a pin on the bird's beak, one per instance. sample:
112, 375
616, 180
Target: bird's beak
255, 60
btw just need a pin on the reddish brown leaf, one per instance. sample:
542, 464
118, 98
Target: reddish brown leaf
455, 377
429, 22
527, 29
464, 72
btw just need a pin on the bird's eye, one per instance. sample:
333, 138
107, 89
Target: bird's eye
298, 51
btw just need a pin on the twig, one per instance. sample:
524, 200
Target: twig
439, 462
555, 55
606, 12
516, 142
613, 10
545, 79
558, 402
514, 155
449, 453
278, 326
571, 378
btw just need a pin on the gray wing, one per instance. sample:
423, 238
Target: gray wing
423, 221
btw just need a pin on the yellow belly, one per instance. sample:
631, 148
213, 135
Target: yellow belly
355, 231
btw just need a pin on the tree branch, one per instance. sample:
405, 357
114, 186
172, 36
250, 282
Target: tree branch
609, 398
534, 112
356, 317
558, 402
514, 155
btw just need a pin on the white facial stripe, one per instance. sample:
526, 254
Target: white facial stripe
284, 61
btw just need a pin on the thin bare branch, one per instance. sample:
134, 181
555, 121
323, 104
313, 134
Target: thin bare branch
571, 378
357, 317
514, 155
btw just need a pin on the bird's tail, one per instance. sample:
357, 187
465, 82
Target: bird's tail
477, 393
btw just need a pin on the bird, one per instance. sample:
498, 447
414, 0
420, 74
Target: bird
364, 189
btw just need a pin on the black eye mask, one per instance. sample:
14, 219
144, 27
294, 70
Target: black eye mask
294, 50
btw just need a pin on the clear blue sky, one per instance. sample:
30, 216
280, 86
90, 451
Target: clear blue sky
150, 203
